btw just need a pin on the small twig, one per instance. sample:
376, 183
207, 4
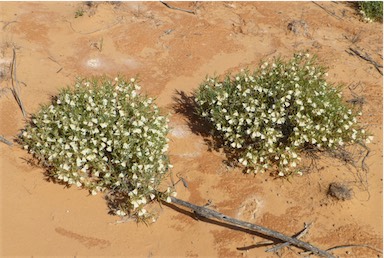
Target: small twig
366, 57
86, 33
14, 89
2, 139
297, 236
176, 8
53, 60
279, 246
6, 23
364, 167
329, 12
348, 246
208, 213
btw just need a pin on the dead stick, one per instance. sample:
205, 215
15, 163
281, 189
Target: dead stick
2, 139
298, 236
14, 89
366, 57
208, 213
176, 8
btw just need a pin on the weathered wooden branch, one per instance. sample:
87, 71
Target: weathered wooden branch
208, 213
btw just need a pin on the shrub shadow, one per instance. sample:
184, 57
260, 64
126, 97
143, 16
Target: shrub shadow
186, 105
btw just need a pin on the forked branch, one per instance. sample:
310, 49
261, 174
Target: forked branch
208, 213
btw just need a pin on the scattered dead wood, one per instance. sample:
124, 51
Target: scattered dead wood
205, 212
176, 8
2, 139
367, 58
328, 11
15, 89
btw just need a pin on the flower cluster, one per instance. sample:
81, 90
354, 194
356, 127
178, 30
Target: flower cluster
101, 136
270, 115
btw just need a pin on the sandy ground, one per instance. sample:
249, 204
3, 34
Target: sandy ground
173, 51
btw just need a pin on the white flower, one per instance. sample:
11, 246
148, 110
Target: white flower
135, 204
142, 212
369, 139
120, 213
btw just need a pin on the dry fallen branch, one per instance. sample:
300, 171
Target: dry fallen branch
209, 214
176, 8
2, 139
366, 57
15, 90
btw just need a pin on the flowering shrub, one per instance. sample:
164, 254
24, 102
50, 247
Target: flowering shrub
371, 10
267, 117
103, 136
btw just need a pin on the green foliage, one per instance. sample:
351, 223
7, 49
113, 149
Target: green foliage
79, 13
103, 135
267, 117
371, 10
